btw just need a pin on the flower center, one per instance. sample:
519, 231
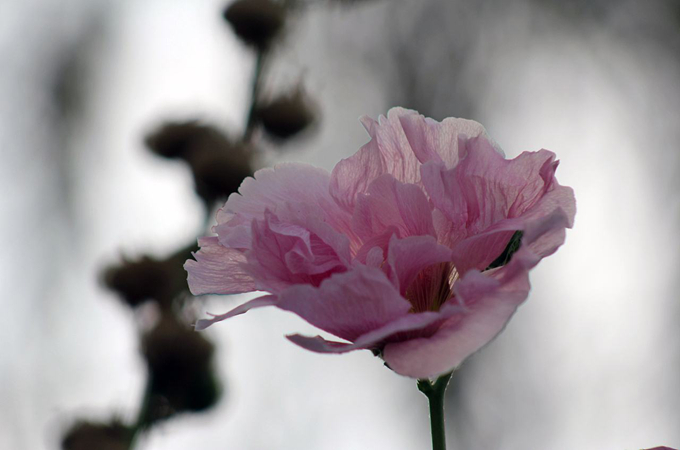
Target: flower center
432, 287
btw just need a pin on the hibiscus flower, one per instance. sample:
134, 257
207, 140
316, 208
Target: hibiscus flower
418, 247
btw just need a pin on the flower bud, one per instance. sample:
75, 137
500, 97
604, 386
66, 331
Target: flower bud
256, 22
179, 361
88, 436
286, 116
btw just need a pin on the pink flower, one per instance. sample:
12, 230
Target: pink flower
400, 250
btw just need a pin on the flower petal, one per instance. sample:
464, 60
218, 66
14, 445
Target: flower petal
486, 198
389, 203
352, 175
409, 256
555, 210
485, 188
285, 190
283, 254
218, 270
348, 304
373, 339
459, 337
388, 151
260, 302
490, 300
438, 141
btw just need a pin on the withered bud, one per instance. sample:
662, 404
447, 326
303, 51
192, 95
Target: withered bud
287, 115
147, 278
256, 22
101, 436
179, 361
182, 139
218, 165
219, 173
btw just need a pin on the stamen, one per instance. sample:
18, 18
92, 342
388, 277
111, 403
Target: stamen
432, 287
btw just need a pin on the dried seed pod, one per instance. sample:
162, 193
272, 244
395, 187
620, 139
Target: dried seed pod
179, 361
180, 139
287, 115
256, 22
219, 173
102, 436
137, 281
149, 278
218, 165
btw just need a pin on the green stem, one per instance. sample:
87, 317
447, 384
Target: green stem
435, 394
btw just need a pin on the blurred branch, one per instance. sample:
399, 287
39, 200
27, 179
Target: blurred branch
254, 94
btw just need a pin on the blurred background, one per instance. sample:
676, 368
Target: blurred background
89, 87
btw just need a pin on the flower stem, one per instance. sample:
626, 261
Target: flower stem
435, 394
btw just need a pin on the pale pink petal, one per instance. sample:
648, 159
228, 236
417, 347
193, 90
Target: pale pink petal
389, 203
218, 270
269, 188
374, 339
348, 304
409, 256
388, 151
492, 306
485, 188
480, 250
321, 232
352, 175
486, 197
490, 299
260, 302
284, 190
375, 257
438, 141
545, 235
380, 241
400, 161
283, 254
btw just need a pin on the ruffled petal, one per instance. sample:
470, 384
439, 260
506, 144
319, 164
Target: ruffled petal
388, 151
373, 339
389, 203
400, 160
283, 254
489, 299
296, 193
380, 241
352, 175
480, 250
459, 337
409, 256
348, 304
218, 270
486, 198
438, 141
485, 188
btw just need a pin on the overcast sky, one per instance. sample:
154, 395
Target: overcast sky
589, 362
